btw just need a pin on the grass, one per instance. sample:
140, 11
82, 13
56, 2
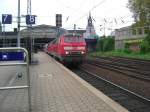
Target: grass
122, 54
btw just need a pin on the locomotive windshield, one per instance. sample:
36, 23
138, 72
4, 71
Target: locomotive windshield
73, 38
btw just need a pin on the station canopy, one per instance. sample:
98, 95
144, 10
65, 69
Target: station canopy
42, 31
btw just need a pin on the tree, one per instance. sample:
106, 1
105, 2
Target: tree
145, 45
141, 11
100, 44
106, 44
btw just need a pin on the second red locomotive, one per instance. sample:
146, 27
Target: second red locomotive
68, 48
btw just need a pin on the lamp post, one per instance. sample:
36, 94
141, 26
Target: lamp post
4, 36
103, 27
18, 36
75, 28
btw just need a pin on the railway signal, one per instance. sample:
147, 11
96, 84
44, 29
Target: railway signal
58, 20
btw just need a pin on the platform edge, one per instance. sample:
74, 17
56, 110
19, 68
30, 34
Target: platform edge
117, 107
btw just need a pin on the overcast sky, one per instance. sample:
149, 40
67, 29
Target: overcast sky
112, 13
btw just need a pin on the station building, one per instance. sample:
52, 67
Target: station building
42, 34
130, 35
38, 35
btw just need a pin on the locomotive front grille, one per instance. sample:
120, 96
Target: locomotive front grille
75, 53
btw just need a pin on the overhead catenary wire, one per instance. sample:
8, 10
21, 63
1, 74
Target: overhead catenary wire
64, 5
94, 7
77, 10
100, 3
113, 20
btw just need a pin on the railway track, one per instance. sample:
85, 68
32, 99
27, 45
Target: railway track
130, 100
128, 62
131, 69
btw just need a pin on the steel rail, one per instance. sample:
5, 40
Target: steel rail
120, 70
131, 92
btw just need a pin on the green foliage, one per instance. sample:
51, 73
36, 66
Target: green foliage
126, 49
140, 9
148, 37
145, 45
100, 44
108, 44
105, 44
127, 45
121, 53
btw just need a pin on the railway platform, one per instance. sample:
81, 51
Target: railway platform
54, 88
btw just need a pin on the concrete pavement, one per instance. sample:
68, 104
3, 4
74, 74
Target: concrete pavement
56, 89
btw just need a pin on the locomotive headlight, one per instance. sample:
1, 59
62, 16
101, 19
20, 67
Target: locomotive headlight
82, 52
68, 48
67, 52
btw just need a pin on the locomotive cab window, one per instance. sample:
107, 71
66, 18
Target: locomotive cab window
73, 38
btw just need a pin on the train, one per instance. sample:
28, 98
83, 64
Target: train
68, 49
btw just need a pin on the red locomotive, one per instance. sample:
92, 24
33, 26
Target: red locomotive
68, 48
